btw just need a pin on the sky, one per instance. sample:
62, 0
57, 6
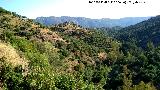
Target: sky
81, 8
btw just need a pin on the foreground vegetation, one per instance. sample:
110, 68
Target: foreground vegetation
69, 57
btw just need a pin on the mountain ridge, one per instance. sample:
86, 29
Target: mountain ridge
91, 23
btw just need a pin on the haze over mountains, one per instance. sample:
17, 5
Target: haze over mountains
91, 23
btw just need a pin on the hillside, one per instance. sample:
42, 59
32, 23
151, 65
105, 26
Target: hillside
60, 57
142, 33
91, 23
67, 56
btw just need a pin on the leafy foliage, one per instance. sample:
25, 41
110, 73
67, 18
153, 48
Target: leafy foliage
69, 57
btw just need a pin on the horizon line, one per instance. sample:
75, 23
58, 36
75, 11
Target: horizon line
97, 18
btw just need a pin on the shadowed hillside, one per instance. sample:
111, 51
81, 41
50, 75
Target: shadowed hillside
142, 33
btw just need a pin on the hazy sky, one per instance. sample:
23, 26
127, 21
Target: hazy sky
81, 8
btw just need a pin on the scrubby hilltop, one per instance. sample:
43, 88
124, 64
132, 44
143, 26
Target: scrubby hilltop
67, 56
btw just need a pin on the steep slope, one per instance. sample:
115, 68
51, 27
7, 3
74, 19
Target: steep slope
58, 57
68, 56
142, 33
91, 23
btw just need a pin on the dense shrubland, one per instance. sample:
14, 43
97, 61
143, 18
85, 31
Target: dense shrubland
70, 57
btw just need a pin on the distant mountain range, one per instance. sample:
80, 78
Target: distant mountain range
91, 23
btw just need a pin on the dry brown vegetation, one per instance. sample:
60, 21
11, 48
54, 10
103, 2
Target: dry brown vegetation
47, 35
11, 56
102, 55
